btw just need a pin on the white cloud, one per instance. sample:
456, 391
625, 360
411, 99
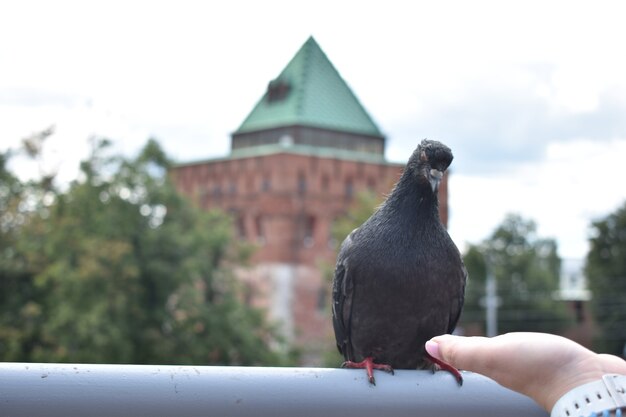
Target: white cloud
576, 183
509, 86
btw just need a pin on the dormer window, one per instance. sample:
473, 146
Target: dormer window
277, 90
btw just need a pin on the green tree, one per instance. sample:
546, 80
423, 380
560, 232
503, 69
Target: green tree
20, 202
364, 205
606, 273
13, 280
526, 269
120, 268
362, 208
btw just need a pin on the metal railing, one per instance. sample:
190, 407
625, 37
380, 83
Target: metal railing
68, 390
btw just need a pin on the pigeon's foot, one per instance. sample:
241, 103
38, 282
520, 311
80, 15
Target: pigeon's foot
369, 365
446, 367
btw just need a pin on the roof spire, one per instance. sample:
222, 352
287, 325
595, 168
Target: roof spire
310, 92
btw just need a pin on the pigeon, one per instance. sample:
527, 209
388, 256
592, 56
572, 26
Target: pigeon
399, 278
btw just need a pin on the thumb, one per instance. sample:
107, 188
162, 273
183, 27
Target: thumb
542, 366
496, 359
467, 353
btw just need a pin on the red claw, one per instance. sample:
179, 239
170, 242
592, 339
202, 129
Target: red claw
446, 367
369, 365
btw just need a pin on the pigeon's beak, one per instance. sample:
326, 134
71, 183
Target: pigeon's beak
435, 179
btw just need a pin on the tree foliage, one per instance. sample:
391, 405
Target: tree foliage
526, 269
120, 268
361, 209
364, 205
606, 274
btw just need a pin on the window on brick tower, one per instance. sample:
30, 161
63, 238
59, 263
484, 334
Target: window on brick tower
259, 227
309, 231
301, 184
349, 189
325, 183
241, 227
371, 184
216, 192
266, 183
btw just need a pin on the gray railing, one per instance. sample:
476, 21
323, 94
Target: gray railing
68, 390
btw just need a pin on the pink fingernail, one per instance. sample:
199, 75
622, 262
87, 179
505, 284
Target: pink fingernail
433, 349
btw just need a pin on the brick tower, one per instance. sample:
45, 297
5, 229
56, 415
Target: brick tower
296, 162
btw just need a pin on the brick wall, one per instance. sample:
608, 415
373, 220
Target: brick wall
286, 203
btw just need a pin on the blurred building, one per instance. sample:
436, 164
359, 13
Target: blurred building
573, 291
573, 284
296, 163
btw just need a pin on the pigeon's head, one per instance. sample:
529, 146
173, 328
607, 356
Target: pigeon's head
428, 163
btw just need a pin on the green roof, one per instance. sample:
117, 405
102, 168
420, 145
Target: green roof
310, 92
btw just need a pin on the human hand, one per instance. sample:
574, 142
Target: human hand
541, 366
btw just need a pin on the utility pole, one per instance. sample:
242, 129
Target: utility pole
491, 303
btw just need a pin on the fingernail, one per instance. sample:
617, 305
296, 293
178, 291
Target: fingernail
433, 349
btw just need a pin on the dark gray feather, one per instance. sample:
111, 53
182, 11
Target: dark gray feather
399, 278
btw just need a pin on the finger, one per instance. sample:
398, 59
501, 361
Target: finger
467, 353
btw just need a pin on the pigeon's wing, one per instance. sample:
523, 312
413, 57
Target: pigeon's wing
343, 290
457, 305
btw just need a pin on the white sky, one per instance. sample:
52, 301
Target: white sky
530, 96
